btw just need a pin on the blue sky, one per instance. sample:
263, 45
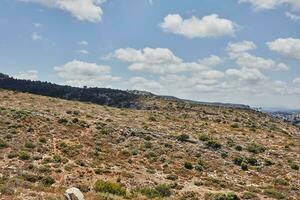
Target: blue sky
241, 51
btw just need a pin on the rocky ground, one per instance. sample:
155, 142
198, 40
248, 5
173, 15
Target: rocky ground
171, 150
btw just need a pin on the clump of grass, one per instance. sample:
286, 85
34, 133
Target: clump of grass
3, 144
294, 166
183, 137
24, 155
110, 187
159, 191
29, 145
48, 181
256, 148
229, 196
273, 193
210, 142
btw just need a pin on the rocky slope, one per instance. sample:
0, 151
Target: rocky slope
171, 150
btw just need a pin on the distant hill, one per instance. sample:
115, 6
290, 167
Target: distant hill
102, 96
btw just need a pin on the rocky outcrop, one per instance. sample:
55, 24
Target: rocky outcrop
74, 194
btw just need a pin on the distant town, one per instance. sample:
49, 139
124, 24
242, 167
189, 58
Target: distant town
288, 116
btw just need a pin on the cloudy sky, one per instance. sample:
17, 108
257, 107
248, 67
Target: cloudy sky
238, 51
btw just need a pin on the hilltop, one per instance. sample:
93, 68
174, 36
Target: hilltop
174, 150
102, 96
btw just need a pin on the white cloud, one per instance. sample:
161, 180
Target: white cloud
251, 61
239, 52
83, 43
28, 75
83, 10
296, 80
140, 83
251, 76
78, 73
289, 47
292, 16
156, 61
212, 60
210, 26
83, 51
36, 37
239, 47
272, 4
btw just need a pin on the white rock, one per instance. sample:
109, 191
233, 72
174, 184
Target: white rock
74, 194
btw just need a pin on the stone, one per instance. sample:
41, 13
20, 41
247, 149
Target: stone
74, 194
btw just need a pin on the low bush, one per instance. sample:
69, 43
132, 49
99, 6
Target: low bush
159, 191
183, 137
110, 187
188, 165
256, 148
48, 181
23, 155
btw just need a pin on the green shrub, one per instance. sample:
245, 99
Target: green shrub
12, 155
204, 137
256, 148
252, 161
62, 121
238, 160
3, 144
239, 148
273, 193
48, 181
244, 166
188, 165
172, 177
43, 140
110, 187
159, 191
29, 145
229, 196
23, 155
294, 166
213, 144
183, 137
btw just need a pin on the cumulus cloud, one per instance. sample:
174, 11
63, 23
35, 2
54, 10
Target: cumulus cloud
251, 76
83, 10
140, 83
210, 26
80, 73
292, 16
289, 47
212, 60
239, 52
158, 61
28, 75
239, 47
272, 4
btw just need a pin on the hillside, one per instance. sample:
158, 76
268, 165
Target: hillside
174, 150
101, 96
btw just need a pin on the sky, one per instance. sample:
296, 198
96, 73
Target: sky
234, 51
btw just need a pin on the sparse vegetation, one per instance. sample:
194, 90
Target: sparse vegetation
147, 159
110, 187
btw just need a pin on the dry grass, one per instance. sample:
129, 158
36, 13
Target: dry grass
77, 144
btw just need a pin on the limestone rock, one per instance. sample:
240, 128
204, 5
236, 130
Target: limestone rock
74, 194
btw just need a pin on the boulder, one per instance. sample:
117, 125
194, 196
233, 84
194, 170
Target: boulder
74, 194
